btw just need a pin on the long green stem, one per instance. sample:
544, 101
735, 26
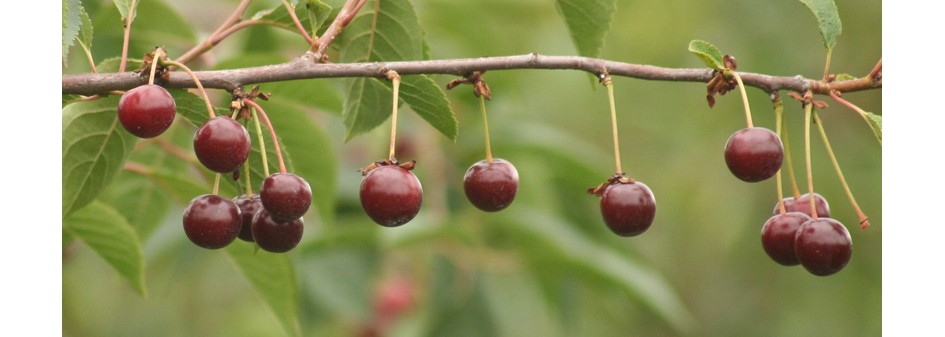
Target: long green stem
790, 163
127, 37
249, 188
154, 63
262, 143
203, 92
779, 122
485, 127
808, 108
395, 79
298, 24
741, 88
864, 220
216, 184
272, 133
608, 82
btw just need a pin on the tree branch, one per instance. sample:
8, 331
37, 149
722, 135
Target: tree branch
303, 68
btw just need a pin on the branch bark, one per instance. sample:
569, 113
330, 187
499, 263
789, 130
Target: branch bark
304, 68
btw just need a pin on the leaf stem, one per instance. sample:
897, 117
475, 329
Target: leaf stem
741, 88
298, 24
862, 113
88, 55
864, 220
272, 133
827, 64
878, 69
485, 127
395, 79
206, 99
808, 108
127, 37
609, 84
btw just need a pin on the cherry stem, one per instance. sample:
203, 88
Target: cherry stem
262, 143
395, 79
127, 37
827, 64
609, 84
298, 24
216, 184
272, 132
741, 88
808, 108
249, 188
154, 63
862, 113
779, 122
485, 127
789, 161
206, 99
864, 220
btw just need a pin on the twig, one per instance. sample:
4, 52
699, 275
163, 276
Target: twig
347, 13
215, 37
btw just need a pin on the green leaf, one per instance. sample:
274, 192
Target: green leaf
94, 148
274, 278
156, 23
127, 9
547, 237
107, 232
71, 23
876, 123
588, 21
708, 53
85, 32
392, 33
312, 14
828, 20
141, 202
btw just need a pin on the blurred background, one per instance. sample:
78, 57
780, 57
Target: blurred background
547, 265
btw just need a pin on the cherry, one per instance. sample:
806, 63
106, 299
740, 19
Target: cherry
628, 208
754, 154
276, 236
823, 246
803, 205
211, 221
147, 111
492, 186
391, 195
222, 144
777, 237
248, 208
285, 196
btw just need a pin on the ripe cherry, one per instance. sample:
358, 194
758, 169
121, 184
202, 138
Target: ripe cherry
754, 154
285, 196
823, 246
248, 208
492, 186
276, 236
628, 208
391, 195
777, 237
222, 144
212, 222
147, 111
802, 205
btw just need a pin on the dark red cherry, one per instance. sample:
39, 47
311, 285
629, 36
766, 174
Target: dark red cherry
823, 246
492, 186
276, 236
248, 208
391, 195
754, 154
222, 144
286, 196
803, 205
211, 221
628, 208
777, 237
147, 111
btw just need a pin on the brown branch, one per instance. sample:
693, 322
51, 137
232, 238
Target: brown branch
303, 68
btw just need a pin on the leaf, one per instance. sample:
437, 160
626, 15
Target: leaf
547, 237
127, 9
588, 21
107, 232
708, 53
94, 148
71, 23
85, 32
828, 20
156, 23
391, 33
312, 14
876, 123
141, 202
274, 278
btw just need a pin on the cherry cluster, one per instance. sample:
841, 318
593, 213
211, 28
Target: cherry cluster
797, 236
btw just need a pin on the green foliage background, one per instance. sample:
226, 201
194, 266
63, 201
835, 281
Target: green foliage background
546, 266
